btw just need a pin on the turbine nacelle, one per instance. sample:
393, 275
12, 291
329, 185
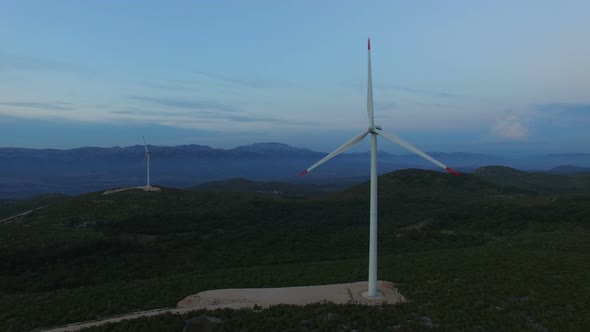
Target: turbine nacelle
373, 130
145, 147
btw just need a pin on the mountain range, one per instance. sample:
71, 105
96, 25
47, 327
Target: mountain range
27, 172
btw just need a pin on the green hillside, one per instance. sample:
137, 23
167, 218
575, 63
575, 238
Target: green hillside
272, 188
468, 253
535, 181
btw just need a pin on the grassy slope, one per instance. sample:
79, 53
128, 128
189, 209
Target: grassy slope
486, 256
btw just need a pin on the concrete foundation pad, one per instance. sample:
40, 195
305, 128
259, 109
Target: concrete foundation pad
302, 295
263, 297
144, 188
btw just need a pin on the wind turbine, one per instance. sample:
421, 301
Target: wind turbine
374, 131
146, 157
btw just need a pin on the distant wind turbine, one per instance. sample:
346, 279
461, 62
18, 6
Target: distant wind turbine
146, 157
374, 131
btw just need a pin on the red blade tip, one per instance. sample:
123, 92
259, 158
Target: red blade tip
369, 44
303, 173
452, 171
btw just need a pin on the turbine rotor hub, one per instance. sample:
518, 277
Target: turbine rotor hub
373, 128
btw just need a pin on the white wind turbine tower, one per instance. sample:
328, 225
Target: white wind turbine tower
374, 131
146, 157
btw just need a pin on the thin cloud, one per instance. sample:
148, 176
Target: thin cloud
51, 106
133, 111
227, 79
565, 108
424, 92
244, 118
186, 103
428, 104
23, 62
199, 112
196, 78
259, 83
386, 105
169, 85
408, 89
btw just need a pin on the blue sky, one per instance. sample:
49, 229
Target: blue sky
476, 76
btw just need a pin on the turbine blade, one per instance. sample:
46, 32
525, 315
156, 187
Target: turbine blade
336, 152
145, 145
399, 141
370, 88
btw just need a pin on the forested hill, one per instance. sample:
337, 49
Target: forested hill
535, 181
468, 253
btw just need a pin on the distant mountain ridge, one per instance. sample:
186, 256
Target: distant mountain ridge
569, 169
27, 172
271, 148
258, 149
